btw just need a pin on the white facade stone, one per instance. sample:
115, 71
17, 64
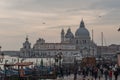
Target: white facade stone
70, 45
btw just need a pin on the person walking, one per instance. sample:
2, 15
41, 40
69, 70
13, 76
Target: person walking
95, 73
116, 74
75, 69
99, 74
110, 74
106, 74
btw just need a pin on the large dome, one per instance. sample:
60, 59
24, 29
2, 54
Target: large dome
82, 31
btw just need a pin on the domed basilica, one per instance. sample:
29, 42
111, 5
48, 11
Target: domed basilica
71, 45
81, 40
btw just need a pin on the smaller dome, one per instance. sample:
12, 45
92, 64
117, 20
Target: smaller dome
27, 41
27, 44
69, 34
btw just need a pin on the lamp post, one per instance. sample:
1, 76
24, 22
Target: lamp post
58, 62
5, 68
0, 49
81, 52
1, 55
75, 68
56, 67
60, 59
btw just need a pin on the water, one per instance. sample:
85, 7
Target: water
36, 61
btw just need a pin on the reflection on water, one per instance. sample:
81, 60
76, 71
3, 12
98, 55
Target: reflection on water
36, 61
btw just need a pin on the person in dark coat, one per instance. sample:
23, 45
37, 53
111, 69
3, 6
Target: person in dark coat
110, 74
95, 73
106, 73
75, 69
116, 74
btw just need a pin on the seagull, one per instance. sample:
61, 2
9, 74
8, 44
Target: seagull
119, 29
44, 23
100, 16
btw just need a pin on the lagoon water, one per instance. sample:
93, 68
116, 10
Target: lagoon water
36, 61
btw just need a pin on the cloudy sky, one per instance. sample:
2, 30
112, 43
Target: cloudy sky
19, 18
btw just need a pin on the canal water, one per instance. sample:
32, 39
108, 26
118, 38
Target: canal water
36, 61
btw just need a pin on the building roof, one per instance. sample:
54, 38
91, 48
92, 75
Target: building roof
82, 31
69, 34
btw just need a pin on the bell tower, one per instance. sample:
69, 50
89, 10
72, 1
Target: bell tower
26, 50
62, 35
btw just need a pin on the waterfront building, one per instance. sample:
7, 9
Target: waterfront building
78, 44
70, 45
26, 50
108, 52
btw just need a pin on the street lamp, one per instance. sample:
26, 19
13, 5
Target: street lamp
58, 60
5, 68
75, 68
81, 52
1, 55
86, 51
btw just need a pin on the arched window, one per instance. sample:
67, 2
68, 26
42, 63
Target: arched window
76, 41
85, 41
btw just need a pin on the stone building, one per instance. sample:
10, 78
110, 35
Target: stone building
71, 44
26, 50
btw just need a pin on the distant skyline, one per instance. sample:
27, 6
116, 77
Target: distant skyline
46, 18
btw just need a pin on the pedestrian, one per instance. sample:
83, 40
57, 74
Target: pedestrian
95, 73
101, 69
116, 74
75, 70
84, 72
61, 72
99, 74
110, 74
106, 74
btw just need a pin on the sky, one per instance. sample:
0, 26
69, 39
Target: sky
46, 18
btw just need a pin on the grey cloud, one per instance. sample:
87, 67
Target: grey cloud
61, 5
111, 18
27, 16
106, 4
46, 5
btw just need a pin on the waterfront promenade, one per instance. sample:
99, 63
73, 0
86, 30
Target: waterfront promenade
34, 60
79, 77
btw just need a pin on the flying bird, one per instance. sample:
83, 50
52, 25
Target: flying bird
119, 29
44, 23
100, 16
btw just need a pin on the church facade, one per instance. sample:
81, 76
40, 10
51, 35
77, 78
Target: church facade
78, 44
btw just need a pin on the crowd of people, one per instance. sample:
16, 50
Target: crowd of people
96, 72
